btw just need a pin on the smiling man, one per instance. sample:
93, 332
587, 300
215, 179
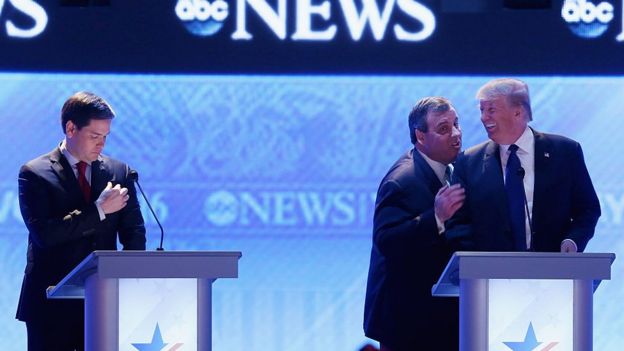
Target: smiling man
525, 190
409, 250
74, 200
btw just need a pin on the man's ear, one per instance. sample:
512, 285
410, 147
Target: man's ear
420, 136
70, 129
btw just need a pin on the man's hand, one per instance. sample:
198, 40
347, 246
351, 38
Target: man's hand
112, 199
568, 245
448, 200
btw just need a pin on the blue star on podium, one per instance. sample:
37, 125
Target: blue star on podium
156, 344
530, 341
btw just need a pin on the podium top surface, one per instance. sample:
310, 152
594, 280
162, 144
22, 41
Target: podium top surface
522, 265
149, 264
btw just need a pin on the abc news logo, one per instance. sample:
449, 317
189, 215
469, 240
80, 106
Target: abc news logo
312, 20
589, 19
202, 17
11, 10
202, 10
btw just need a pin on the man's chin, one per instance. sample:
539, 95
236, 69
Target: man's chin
495, 137
455, 152
94, 158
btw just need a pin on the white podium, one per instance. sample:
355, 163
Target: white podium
147, 299
524, 300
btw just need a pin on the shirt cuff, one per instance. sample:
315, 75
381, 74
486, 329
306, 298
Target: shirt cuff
100, 211
440, 224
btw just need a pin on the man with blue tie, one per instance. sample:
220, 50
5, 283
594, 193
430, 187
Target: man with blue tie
525, 190
71, 208
409, 251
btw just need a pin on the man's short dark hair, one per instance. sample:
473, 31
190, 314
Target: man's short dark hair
418, 117
84, 106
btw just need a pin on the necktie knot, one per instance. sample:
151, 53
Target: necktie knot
513, 148
82, 168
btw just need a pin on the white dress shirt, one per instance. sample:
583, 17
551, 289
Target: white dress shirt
74, 165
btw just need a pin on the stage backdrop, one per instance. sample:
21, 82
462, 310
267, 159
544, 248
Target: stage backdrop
285, 169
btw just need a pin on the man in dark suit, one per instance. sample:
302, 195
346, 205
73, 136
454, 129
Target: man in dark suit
409, 252
70, 207
554, 208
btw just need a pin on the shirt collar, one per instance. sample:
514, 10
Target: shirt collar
438, 168
525, 143
70, 158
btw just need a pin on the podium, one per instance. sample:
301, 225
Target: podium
144, 300
524, 300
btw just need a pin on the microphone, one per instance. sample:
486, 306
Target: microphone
521, 173
134, 176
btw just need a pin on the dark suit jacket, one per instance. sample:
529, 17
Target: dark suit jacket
565, 205
407, 257
64, 229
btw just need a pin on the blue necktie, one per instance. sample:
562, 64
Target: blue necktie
515, 198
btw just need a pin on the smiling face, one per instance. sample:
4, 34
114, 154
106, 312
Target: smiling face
442, 140
503, 122
87, 143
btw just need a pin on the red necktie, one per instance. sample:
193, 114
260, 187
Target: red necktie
82, 181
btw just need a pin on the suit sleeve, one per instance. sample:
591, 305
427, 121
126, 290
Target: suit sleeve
131, 227
401, 226
458, 229
45, 229
585, 205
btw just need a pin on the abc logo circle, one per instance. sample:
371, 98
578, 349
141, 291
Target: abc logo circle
202, 17
221, 208
585, 18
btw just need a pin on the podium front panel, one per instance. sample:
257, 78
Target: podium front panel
526, 313
158, 312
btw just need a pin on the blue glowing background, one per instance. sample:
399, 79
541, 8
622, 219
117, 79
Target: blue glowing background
285, 169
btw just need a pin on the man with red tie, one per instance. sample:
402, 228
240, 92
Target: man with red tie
74, 200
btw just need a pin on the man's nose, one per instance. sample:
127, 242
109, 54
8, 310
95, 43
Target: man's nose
456, 131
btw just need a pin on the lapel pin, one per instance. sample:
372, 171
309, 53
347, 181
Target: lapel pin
546, 154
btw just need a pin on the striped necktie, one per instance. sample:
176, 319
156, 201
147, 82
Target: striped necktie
447, 175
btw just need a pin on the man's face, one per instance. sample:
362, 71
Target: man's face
503, 122
86, 144
442, 141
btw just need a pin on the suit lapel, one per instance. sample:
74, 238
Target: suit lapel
99, 177
491, 162
493, 178
65, 174
543, 169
